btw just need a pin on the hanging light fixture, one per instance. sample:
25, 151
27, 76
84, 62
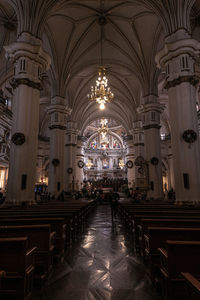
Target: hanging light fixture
89, 164
121, 163
101, 93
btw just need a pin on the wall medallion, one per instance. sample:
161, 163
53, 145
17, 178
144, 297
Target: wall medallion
55, 162
129, 164
139, 161
189, 136
154, 161
69, 170
18, 138
81, 164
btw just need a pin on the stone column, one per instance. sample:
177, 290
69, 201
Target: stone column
129, 159
58, 112
80, 161
140, 171
70, 155
171, 171
178, 59
29, 60
151, 110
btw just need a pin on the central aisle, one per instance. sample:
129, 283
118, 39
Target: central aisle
99, 267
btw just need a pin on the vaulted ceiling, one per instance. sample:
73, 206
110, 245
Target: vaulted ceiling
133, 32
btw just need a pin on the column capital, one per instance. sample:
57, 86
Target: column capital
150, 107
138, 133
29, 59
176, 48
58, 112
72, 128
58, 106
137, 125
72, 133
177, 59
151, 114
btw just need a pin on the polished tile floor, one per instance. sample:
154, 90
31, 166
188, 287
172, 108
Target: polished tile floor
100, 266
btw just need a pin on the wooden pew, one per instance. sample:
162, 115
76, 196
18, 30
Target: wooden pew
74, 215
17, 265
192, 286
70, 218
142, 228
156, 238
178, 257
39, 236
57, 225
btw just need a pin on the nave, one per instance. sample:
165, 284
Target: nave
100, 266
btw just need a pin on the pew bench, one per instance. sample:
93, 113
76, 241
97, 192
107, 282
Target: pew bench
156, 238
192, 286
39, 236
175, 258
17, 263
57, 225
142, 228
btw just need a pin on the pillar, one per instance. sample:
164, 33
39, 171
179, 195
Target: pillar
140, 170
57, 112
129, 160
177, 58
80, 161
29, 60
70, 155
151, 110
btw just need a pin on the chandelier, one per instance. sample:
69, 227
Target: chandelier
89, 164
103, 130
101, 93
121, 163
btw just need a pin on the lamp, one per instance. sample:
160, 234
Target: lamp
89, 164
121, 163
101, 93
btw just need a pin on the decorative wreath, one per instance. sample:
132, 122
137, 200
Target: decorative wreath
154, 161
55, 162
18, 138
69, 170
81, 164
129, 164
139, 161
189, 136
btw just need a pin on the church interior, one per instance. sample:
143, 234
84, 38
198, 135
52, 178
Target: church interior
99, 149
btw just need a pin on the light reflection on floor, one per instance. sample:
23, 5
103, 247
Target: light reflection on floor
101, 266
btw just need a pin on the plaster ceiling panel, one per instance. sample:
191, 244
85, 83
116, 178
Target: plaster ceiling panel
147, 34
60, 30
196, 9
124, 9
115, 54
79, 11
121, 47
85, 47
6, 10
